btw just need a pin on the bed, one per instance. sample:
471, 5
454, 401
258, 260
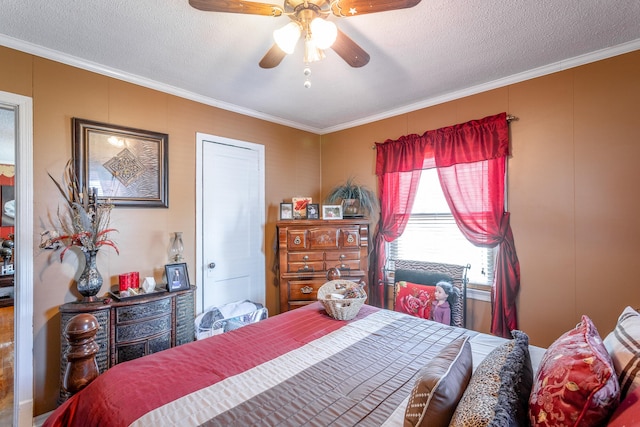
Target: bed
297, 368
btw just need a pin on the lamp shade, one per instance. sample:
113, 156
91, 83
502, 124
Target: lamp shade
323, 32
287, 37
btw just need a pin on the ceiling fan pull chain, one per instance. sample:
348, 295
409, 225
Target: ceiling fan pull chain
307, 73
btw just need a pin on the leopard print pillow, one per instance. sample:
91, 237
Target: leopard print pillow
499, 389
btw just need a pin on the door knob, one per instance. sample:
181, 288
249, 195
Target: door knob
212, 265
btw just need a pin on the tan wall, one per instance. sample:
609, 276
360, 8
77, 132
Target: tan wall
61, 92
572, 188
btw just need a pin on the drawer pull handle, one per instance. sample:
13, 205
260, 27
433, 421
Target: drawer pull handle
342, 256
306, 289
305, 268
306, 257
297, 240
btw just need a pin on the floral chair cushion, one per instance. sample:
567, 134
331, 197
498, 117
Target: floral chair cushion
414, 299
576, 383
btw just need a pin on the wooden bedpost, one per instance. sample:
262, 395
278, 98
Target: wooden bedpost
81, 366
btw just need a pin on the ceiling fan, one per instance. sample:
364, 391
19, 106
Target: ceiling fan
309, 17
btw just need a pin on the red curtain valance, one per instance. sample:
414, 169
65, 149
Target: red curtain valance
469, 142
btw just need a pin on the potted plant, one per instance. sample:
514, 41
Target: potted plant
356, 199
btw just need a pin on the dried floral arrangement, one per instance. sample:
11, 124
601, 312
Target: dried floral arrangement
85, 223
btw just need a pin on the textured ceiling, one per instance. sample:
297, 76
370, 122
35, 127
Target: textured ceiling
436, 51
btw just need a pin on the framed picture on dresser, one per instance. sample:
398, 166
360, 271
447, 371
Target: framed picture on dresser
300, 207
331, 211
286, 210
177, 277
313, 211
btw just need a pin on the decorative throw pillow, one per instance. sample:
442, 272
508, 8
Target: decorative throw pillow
499, 388
576, 383
415, 299
623, 345
628, 413
439, 386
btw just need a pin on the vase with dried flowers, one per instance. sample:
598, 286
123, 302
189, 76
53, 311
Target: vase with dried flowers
84, 224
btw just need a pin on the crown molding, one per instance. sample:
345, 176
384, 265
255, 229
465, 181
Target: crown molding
515, 78
429, 102
95, 67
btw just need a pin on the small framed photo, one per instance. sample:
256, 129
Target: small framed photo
313, 211
177, 277
331, 211
286, 210
300, 207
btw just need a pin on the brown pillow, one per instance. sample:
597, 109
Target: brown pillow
440, 385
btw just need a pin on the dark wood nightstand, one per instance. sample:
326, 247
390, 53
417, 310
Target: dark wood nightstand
133, 327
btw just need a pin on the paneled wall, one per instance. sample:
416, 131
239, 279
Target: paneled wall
61, 92
572, 187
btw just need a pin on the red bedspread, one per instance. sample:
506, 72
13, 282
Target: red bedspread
185, 381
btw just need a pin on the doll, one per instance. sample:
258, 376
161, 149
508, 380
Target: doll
445, 296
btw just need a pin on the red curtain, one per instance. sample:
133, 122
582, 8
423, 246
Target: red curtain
471, 160
398, 166
397, 192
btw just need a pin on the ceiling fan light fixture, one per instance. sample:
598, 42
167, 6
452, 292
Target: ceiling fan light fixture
323, 32
287, 37
311, 51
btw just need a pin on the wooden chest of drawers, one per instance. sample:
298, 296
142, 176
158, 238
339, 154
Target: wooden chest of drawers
133, 328
308, 248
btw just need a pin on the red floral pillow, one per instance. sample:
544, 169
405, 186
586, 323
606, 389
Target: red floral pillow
576, 384
414, 299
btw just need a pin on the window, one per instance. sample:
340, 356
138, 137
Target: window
432, 234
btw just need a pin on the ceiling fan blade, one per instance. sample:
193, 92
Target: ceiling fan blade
237, 6
273, 57
345, 8
349, 50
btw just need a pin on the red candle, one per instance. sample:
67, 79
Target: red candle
135, 279
124, 282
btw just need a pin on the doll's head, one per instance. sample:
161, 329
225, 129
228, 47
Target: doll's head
449, 290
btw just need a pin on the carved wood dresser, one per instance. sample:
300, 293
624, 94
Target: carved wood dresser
308, 248
133, 327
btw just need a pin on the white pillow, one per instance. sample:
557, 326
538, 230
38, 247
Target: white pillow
623, 345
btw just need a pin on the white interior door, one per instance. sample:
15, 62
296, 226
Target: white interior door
24, 271
231, 202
